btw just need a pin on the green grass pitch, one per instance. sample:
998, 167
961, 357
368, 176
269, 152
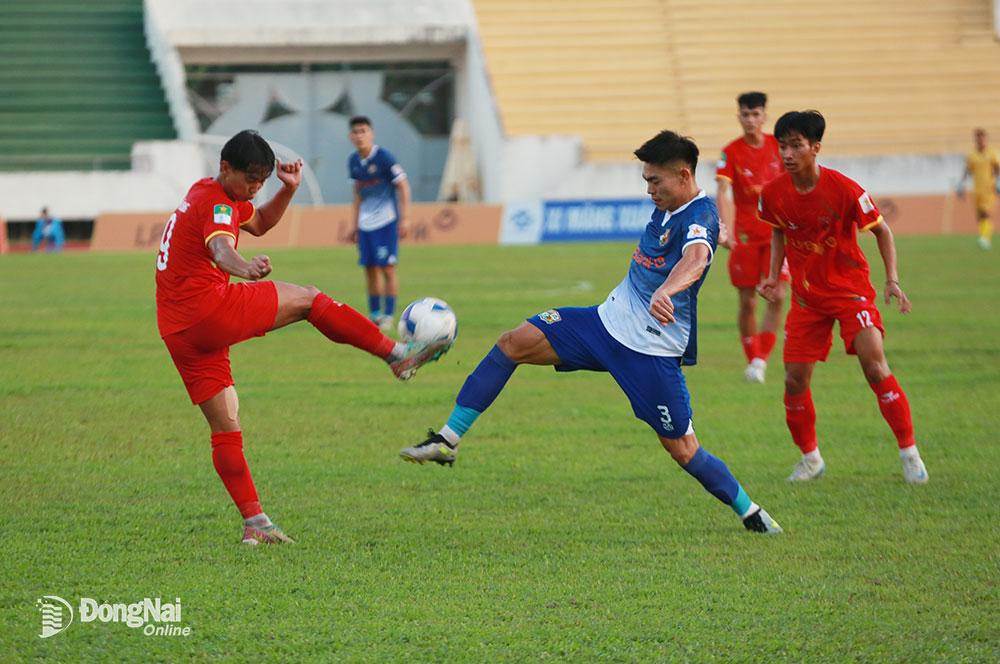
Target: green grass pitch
563, 533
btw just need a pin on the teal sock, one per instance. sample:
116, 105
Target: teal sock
741, 503
461, 419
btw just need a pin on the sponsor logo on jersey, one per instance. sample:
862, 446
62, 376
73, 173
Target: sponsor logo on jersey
550, 316
866, 203
696, 231
646, 261
653, 330
664, 237
223, 214
397, 170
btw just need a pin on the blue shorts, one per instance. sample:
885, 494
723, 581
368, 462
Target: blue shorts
654, 385
380, 246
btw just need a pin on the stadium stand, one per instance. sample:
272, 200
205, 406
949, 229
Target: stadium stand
892, 77
77, 87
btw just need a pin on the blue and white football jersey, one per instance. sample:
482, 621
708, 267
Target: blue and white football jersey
376, 177
668, 235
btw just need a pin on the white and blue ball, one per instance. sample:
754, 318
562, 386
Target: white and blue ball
428, 319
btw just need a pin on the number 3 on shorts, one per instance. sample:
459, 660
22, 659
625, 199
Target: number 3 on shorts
668, 423
865, 319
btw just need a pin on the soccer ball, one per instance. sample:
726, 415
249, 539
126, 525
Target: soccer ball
428, 319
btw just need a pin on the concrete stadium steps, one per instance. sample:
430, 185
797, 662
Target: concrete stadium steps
77, 86
892, 77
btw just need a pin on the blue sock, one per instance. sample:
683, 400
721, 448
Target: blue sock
481, 389
373, 305
390, 305
718, 481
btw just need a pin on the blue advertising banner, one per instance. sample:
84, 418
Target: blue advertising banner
571, 221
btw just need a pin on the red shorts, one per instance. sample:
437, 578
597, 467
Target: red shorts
201, 352
809, 328
750, 263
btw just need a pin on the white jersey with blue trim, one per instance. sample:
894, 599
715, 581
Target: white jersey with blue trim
667, 237
376, 177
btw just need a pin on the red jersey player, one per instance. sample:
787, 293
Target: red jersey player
816, 213
746, 165
200, 314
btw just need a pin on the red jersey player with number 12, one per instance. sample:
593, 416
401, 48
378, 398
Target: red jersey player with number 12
200, 314
746, 164
816, 213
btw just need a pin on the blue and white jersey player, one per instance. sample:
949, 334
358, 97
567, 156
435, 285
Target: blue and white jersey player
642, 334
381, 197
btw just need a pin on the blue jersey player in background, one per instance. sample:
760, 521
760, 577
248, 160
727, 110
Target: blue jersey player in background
642, 334
381, 197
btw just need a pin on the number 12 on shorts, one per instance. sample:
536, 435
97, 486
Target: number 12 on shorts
865, 318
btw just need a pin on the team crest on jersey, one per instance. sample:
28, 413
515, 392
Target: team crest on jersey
223, 214
696, 231
372, 168
550, 316
664, 237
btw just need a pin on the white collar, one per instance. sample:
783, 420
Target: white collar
668, 214
371, 155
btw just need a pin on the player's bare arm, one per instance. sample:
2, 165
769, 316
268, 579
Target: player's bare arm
726, 236
687, 271
355, 211
269, 214
769, 288
403, 201
224, 254
887, 248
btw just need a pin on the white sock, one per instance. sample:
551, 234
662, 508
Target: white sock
450, 435
259, 521
753, 508
398, 353
812, 456
910, 451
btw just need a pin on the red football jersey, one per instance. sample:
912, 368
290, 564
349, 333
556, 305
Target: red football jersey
821, 239
748, 169
188, 284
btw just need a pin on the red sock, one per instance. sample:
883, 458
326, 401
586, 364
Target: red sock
340, 323
749, 347
765, 344
227, 455
895, 409
800, 415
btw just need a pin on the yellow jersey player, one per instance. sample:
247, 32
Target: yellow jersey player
984, 167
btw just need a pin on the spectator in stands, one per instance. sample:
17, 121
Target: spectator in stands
48, 232
381, 197
984, 167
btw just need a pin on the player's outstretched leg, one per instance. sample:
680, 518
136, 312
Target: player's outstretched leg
478, 392
715, 476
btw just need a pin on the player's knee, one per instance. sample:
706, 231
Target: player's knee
305, 298
508, 343
795, 384
876, 371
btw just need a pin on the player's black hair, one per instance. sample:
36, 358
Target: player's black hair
752, 99
667, 147
808, 123
248, 152
359, 119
